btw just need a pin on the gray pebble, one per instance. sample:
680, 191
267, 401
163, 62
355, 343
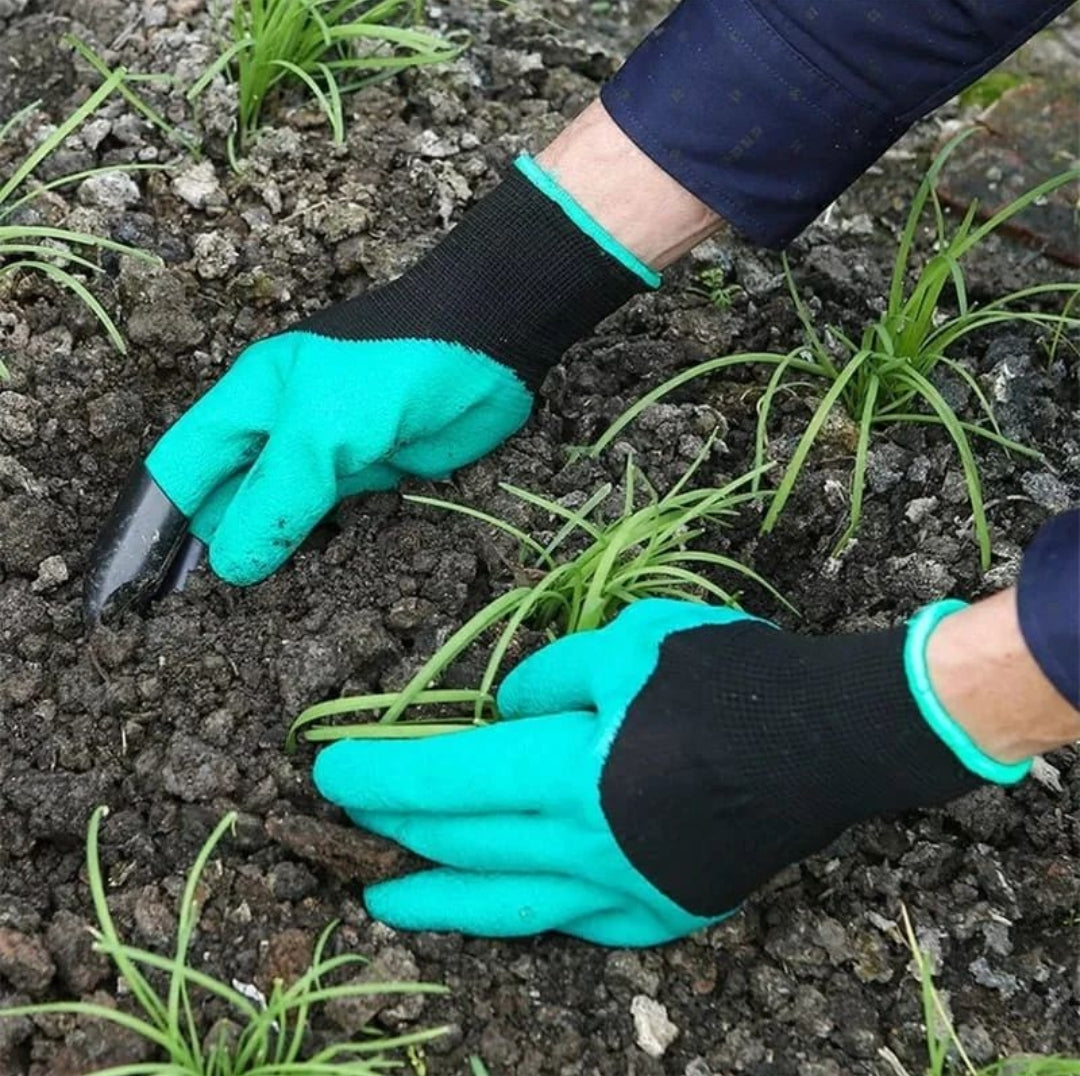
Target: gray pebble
197, 772
52, 571
18, 418
109, 190
1046, 490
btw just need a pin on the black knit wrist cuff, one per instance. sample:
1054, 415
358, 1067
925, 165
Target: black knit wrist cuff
517, 280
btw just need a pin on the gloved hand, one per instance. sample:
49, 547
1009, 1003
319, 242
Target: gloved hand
651, 774
415, 378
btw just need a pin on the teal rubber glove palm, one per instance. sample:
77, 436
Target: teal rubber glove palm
418, 377
653, 773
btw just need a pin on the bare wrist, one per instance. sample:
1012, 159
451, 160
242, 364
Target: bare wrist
988, 682
625, 191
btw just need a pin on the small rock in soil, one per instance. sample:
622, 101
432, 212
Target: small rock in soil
215, 254
1046, 490
1002, 981
344, 850
97, 1044
18, 418
196, 772
199, 186
72, 946
291, 881
392, 964
286, 957
114, 414
653, 1029
625, 969
31, 528
109, 190
52, 571
24, 961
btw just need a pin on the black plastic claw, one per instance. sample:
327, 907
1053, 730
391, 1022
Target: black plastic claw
143, 550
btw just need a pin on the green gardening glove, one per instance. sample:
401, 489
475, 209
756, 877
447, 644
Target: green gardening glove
416, 378
653, 773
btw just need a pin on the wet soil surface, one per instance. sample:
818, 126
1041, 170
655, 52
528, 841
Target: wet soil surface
174, 717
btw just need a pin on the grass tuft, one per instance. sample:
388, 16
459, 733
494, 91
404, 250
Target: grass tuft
329, 48
645, 551
272, 1036
888, 375
58, 252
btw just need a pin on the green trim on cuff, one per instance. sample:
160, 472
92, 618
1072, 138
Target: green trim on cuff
920, 628
547, 184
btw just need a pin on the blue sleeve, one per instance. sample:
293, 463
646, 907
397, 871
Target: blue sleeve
768, 109
1048, 602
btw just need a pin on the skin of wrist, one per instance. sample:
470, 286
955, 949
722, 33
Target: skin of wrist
624, 191
987, 680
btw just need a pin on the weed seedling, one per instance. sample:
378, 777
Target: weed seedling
271, 1034
715, 286
56, 252
328, 47
645, 551
943, 1044
887, 375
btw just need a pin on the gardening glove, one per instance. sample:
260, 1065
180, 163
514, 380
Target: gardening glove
653, 773
415, 378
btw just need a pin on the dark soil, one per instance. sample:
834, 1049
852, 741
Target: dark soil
174, 717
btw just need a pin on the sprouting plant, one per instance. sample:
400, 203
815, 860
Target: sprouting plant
715, 286
330, 47
271, 1035
886, 375
58, 252
942, 1041
643, 552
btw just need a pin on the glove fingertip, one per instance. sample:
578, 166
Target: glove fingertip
237, 566
332, 774
389, 903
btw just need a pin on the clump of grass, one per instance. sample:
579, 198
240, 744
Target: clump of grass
271, 1035
57, 252
886, 375
328, 47
643, 552
946, 1053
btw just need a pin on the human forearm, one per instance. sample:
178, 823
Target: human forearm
625, 191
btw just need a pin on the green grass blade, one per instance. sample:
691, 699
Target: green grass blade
806, 442
761, 429
49, 145
955, 429
402, 730
491, 614
702, 369
78, 288
526, 541
862, 454
15, 120
556, 509
219, 65
576, 520
129, 95
142, 1028
359, 703
8, 249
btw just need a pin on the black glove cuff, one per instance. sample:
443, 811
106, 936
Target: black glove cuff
516, 280
750, 748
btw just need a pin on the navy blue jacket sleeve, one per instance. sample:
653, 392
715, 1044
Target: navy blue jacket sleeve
1048, 602
768, 109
